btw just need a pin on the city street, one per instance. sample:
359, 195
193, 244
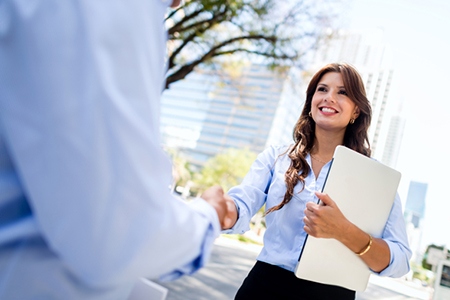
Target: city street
231, 261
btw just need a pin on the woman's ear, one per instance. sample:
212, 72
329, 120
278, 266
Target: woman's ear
356, 112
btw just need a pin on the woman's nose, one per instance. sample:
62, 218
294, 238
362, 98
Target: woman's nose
329, 98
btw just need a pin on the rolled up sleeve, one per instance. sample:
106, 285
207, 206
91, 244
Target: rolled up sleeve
395, 236
251, 194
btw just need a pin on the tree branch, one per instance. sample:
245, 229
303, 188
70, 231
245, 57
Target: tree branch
187, 68
176, 27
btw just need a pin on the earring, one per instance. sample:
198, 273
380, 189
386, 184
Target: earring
310, 114
352, 121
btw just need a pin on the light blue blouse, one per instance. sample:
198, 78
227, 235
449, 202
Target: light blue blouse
284, 236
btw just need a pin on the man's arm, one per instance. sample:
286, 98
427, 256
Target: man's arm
80, 111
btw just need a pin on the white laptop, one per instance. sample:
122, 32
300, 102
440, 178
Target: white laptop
364, 189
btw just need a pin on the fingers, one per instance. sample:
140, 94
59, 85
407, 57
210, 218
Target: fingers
315, 219
309, 218
231, 216
215, 197
324, 220
325, 198
311, 227
311, 206
223, 204
214, 190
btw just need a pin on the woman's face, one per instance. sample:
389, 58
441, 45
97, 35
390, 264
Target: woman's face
331, 108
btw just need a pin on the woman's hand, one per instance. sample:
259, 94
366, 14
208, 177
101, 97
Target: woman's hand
325, 220
232, 214
223, 204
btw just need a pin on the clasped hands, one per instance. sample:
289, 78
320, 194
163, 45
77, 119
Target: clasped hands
223, 204
323, 220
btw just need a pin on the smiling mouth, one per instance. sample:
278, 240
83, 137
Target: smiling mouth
328, 110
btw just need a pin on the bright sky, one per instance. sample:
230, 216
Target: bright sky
418, 31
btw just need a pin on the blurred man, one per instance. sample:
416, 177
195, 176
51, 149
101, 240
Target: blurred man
85, 205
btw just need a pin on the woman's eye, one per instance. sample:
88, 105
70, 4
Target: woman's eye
321, 89
342, 92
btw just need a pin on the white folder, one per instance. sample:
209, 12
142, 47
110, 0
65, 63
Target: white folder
364, 190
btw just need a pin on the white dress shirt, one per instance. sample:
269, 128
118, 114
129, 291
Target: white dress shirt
85, 205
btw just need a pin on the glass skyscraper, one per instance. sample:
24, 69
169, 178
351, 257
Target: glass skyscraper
414, 214
212, 110
415, 203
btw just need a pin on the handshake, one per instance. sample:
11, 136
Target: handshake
223, 204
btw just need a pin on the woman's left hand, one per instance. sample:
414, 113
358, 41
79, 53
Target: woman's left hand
325, 220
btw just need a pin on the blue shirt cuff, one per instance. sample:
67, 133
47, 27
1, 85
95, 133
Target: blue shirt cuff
213, 231
399, 262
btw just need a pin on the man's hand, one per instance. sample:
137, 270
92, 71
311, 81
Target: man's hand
223, 204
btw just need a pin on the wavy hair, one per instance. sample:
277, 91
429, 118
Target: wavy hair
355, 136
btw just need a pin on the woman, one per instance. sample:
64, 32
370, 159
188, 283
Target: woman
287, 180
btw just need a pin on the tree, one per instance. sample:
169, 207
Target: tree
181, 171
279, 31
226, 169
445, 254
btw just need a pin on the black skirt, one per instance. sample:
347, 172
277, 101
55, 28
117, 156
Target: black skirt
266, 281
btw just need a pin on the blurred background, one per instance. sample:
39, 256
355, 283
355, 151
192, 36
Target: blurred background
236, 81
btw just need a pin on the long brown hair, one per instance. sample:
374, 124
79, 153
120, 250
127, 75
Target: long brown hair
355, 136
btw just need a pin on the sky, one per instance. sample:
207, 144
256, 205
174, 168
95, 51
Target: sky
418, 32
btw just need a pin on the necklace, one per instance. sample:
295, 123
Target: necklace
321, 161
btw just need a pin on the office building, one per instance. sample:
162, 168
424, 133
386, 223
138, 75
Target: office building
212, 110
414, 214
252, 106
415, 203
393, 140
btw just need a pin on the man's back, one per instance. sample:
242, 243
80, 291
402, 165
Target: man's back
85, 206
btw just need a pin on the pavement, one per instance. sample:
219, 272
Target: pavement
231, 260
406, 288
